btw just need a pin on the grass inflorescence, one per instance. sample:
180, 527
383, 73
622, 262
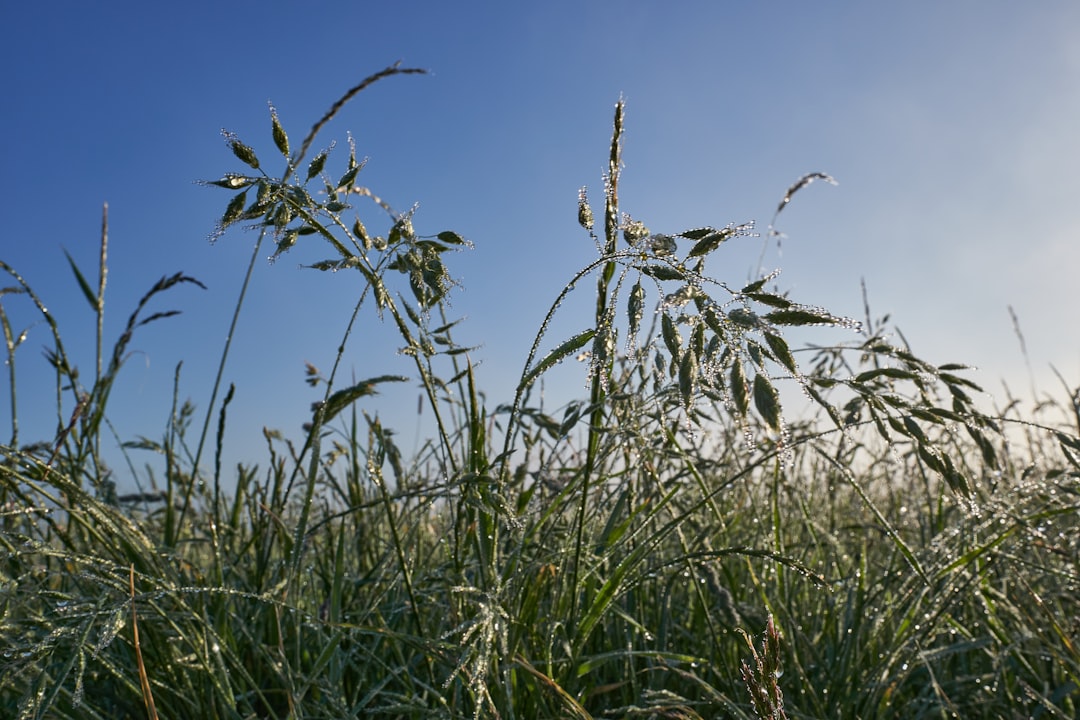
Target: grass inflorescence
669, 546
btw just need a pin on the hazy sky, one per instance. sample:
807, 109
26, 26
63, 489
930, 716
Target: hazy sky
950, 125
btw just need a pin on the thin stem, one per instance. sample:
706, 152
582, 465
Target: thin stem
10, 344
99, 306
220, 373
597, 391
512, 424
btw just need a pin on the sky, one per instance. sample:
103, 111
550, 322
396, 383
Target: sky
950, 127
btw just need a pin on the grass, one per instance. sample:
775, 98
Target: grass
667, 547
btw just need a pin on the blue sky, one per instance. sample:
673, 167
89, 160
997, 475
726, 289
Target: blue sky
951, 127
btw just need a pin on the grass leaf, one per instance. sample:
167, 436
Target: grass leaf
802, 317
557, 355
341, 399
88, 293
710, 242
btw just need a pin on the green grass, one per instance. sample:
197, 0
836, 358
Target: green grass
667, 547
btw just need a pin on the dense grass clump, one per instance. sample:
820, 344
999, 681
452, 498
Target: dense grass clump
669, 546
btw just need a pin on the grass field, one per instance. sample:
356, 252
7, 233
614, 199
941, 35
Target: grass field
668, 546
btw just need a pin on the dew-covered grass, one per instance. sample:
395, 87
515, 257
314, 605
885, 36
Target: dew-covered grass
670, 545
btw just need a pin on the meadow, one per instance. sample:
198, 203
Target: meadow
673, 544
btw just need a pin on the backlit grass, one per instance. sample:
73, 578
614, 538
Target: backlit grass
667, 546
